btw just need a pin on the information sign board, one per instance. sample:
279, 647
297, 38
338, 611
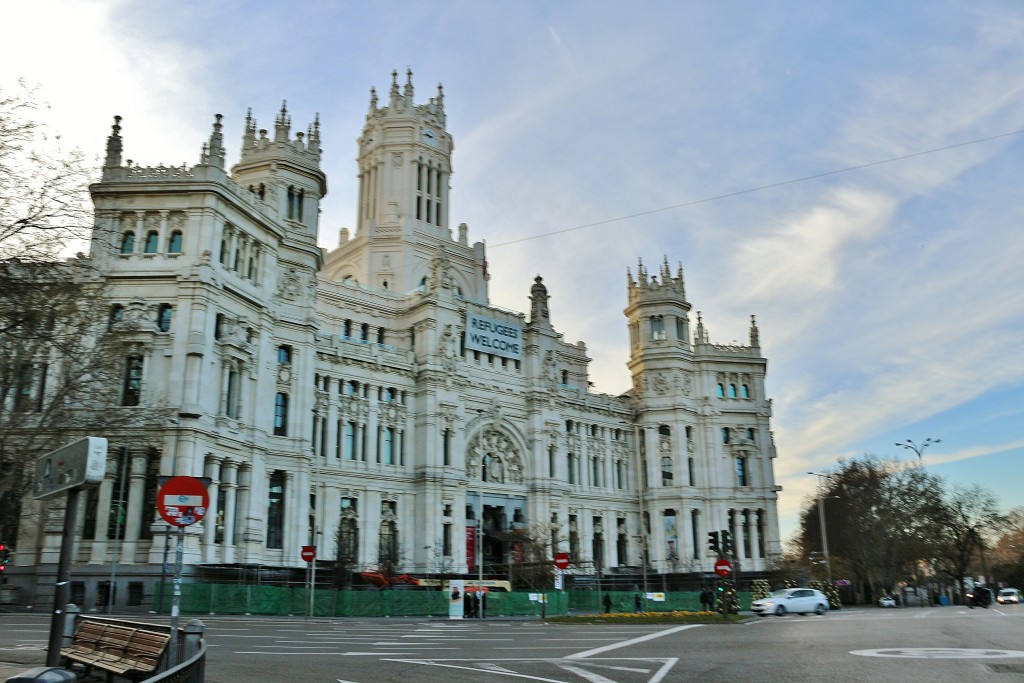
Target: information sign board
81, 464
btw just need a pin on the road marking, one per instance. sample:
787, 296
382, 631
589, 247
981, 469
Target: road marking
579, 668
938, 653
632, 641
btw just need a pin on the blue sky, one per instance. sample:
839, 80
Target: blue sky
890, 296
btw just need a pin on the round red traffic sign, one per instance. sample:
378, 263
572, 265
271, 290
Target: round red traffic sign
723, 567
182, 501
308, 553
562, 560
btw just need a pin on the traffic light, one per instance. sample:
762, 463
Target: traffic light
726, 542
713, 541
5, 556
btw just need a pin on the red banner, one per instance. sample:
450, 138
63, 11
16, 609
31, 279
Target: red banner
470, 548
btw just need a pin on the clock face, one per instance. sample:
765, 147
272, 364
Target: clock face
430, 137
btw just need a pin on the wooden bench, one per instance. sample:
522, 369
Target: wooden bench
125, 651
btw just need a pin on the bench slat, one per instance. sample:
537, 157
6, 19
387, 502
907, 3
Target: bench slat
121, 650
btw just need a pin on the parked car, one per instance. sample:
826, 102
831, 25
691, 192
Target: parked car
887, 601
1008, 596
798, 600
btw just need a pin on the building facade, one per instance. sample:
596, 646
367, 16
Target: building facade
369, 401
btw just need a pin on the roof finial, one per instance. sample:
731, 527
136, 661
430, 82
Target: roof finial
408, 85
215, 150
114, 145
282, 124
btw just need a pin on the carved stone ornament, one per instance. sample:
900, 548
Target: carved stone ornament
504, 465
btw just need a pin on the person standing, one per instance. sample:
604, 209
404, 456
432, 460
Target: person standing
638, 603
607, 603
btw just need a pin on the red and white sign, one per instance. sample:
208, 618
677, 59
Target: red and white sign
562, 560
308, 553
723, 567
182, 501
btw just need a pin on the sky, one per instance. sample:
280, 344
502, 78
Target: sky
848, 172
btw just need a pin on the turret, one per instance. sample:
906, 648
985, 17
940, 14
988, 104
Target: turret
281, 171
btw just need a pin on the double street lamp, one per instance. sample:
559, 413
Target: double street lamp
918, 449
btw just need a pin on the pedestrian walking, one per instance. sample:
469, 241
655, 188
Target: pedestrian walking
607, 603
638, 603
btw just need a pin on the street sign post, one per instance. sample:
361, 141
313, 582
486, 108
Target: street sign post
77, 466
723, 568
562, 560
181, 501
80, 464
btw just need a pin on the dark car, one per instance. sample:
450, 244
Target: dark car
979, 596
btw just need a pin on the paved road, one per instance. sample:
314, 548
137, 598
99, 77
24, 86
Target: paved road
932, 645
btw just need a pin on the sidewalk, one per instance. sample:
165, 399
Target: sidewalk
14, 662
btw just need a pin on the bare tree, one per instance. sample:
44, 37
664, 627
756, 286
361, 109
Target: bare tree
967, 521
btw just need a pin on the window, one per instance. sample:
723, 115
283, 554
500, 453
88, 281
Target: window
116, 316
720, 390
741, 471
666, 471
281, 414
387, 446
128, 242
132, 390
446, 447
231, 399
681, 329
689, 471
349, 441
152, 242
284, 354
446, 540
387, 552
595, 471
750, 433
744, 391
657, 327
732, 391
174, 243
725, 435
218, 326
275, 510
570, 462
23, 393
163, 317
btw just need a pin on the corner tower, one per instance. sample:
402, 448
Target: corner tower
659, 322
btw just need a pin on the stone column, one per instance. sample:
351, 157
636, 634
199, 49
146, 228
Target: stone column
133, 519
229, 481
99, 544
242, 537
209, 549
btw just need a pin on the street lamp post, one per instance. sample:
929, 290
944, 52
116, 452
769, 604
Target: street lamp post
918, 449
821, 523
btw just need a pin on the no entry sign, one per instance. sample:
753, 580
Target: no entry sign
562, 560
308, 553
182, 501
723, 567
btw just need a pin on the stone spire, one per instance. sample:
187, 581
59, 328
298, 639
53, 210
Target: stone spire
395, 95
114, 145
755, 335
213, 151
539, 313
282, 124
373, 100
249, 133
407, 93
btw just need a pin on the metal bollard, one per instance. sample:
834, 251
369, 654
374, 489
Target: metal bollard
193, 634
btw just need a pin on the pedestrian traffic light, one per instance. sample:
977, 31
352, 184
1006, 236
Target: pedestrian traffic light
726, 542
5, 557
713, 541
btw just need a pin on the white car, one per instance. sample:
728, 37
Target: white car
886, 601
1008, 596
799, 600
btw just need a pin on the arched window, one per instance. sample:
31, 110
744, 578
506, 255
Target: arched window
174, 244
744, 391
152, 242
720, 390
128, 242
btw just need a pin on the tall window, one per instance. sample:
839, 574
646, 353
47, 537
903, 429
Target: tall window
128, 242
446, 447
275, 510
720, 390
387, 551
387, 446
23, 392
574, 537
742, 476
689, 469
725, 435
152, 241
348, 533
595, 471
174, 243
744, 391
570, 462
284, 354
349, 440
132, 389
231, 399
163, 317
666, 471
281, 414
116, 316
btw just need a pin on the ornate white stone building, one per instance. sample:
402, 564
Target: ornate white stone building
374, 388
